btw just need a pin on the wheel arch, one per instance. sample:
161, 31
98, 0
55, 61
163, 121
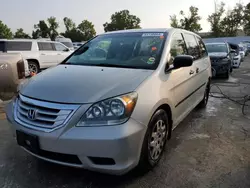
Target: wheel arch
35, 61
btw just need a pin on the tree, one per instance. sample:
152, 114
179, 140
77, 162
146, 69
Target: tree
246, 24
122, 20
41, 30
190, 22
87, 29
44, 30
83, 32
69, 24
53, 26
174, 22
20, 34
5, 31
215, 20
233, 21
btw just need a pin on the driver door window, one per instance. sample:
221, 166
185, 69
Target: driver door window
59, 47
177, 47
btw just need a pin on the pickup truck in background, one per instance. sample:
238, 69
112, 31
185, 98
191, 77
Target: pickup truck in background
13, 70
40, 54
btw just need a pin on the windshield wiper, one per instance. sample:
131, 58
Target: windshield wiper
118, 66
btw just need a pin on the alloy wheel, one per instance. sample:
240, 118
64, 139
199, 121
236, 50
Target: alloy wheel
157, 140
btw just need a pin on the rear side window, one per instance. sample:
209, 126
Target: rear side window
45, 46
3, 46
18, 46
203, 51
177, 47
192, 46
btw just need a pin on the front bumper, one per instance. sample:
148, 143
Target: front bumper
109, 149
236, 62
221, 68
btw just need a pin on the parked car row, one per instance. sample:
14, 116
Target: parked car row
225, 56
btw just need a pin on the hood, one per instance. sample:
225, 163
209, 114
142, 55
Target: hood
83, 84
218, 54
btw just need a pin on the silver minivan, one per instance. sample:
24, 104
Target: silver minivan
112, 105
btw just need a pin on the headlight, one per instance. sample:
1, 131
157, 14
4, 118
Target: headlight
112, 111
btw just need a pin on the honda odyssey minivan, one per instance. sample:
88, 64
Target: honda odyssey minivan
111, 106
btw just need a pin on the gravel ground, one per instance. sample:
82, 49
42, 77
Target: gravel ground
210, 148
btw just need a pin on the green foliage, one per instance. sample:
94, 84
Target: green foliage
45, 30
190, 22
122, 20
215, 20
246, 24
83, 32
5, 31
41, 30
21, 35
233, 21
53, 25
69, 24
87, 29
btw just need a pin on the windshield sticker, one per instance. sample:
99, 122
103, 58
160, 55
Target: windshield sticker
152, 34
151, 61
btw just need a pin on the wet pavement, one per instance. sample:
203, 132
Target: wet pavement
210, 148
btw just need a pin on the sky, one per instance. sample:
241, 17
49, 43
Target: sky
153, 13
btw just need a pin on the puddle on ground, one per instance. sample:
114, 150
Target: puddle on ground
211, 109
198, 136
232, 79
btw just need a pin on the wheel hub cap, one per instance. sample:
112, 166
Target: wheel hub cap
157, 139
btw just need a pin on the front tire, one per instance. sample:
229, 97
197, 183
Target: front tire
33, 67
154, 141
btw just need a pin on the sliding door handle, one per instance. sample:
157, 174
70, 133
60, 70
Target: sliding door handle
191, 72
197, 70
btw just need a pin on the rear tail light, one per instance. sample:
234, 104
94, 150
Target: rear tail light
20, 69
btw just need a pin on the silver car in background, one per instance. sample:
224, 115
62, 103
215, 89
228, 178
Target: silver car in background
112, 104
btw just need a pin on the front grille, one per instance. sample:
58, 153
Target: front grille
44, 116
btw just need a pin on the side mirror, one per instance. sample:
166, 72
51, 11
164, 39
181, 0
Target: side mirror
183, 61
233, 51
66, 50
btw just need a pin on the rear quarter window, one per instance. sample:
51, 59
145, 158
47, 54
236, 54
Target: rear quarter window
18, 46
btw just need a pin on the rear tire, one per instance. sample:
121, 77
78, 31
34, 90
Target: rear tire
33, 67
227, 74
204, 101
154, 141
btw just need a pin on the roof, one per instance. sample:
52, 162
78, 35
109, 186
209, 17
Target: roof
159, 30
216, 43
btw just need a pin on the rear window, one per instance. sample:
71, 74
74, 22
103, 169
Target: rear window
45, 46
18, 46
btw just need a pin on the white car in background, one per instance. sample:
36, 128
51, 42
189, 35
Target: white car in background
40, 54
66, 41
242, 52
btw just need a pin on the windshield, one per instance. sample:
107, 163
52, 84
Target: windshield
128, 50
68, 44
211, 48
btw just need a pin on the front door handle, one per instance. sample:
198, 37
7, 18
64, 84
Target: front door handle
43, 54
197, 70
191, 72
